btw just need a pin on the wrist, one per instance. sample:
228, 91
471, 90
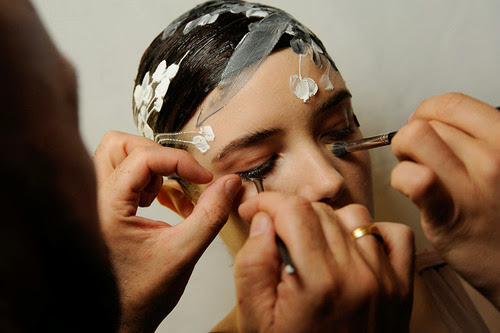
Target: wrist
476, 262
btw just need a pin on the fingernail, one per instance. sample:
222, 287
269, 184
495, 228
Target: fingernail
232, 187
207, 171
260, 224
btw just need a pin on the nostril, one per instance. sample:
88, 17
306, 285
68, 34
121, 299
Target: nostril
333, 193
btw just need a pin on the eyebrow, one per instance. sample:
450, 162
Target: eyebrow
256, 137
246, 141
333, 101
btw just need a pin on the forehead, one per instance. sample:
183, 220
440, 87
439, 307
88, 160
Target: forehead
266, 101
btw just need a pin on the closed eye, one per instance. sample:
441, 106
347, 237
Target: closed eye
260, 171
337, 135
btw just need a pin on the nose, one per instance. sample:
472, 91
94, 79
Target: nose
321, 181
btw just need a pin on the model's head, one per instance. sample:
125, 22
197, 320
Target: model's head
247, 89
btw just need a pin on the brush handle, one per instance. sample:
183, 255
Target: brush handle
371, 142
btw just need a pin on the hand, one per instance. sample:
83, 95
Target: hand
449, 155
153, 260
341, 284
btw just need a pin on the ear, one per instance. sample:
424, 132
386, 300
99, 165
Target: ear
172, 196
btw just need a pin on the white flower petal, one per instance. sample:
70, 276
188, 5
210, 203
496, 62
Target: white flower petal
213, 18
158, 104
326, 83
171, 71
204, 19
201, 143
143, 113
145, 80
148, 132
255, 12
159, 72
313, 87
303, 88
162, 88
208, 133
147, 95
138, 93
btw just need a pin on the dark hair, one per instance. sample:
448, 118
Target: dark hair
210, 47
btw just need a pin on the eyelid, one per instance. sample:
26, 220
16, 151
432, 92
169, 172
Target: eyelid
259, 171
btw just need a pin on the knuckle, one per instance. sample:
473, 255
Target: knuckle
297, 202
423, 183
369, 286
323, 208
110, 137
490, 167
417, 130
408, 136
442, 105
359, 209
327, 288
406, 233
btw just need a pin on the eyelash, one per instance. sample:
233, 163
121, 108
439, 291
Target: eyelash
265, 168
259, 171
340, 134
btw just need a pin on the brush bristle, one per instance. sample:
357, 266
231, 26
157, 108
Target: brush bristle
338, 149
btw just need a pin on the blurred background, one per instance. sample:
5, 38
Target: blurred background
392, 54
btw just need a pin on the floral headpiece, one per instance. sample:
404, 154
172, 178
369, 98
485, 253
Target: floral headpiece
251, 51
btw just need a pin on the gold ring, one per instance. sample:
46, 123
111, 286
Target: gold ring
368, 230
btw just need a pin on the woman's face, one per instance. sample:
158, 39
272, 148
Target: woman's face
266, 131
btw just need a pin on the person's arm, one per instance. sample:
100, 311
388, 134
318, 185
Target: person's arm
153, 260
341, 284
55, 270
449, 155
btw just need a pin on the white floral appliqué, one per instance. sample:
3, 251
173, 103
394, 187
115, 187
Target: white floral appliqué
148, 96
200, 139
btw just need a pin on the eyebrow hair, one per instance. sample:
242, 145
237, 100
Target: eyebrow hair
246, 141
333, 100
253, 138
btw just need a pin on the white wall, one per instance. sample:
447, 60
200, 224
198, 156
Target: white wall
392, 53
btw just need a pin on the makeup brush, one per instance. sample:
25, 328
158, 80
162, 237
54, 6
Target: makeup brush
341, 148
285, 255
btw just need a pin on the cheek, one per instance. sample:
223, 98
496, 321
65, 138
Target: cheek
357, 172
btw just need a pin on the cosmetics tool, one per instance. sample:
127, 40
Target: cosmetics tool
285, 255
341, 148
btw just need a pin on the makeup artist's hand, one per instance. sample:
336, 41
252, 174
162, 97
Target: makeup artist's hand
341, 284
449, 155
153, 260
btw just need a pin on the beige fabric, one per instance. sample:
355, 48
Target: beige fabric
455, 307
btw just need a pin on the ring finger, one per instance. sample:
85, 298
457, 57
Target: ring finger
365, 235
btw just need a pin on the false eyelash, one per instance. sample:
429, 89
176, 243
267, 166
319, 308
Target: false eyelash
339, 134
260, 171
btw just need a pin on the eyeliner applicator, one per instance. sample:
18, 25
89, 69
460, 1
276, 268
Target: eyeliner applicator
341, 148
285, 255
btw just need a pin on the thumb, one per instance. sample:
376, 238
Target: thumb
257, 274
209, 215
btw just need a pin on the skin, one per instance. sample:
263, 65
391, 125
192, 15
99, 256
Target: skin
305, 166
28, 53
305, 172
450, 137
129, 170
337, 183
